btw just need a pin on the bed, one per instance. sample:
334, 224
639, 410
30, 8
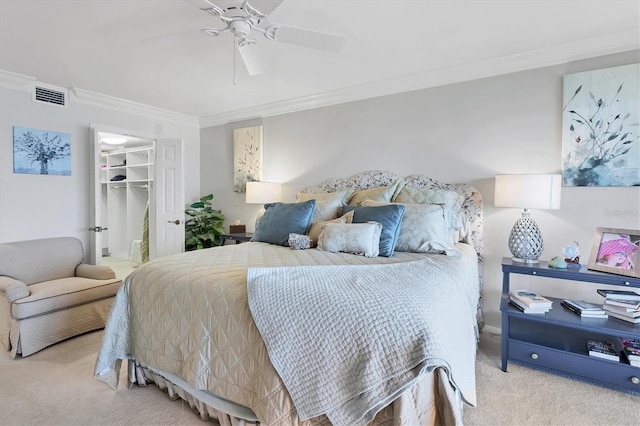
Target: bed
262, 333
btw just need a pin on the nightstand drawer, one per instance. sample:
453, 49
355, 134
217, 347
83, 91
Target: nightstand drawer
605, 372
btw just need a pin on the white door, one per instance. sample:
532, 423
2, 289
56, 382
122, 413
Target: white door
95, 194
168, 198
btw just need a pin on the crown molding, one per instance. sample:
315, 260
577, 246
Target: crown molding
623, 41
25, 83
12, 80
122, 105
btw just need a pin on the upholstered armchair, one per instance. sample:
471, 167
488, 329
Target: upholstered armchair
47, 294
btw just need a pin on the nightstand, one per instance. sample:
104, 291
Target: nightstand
238, 238
555, 341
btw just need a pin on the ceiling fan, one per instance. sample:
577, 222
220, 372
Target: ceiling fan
245, 18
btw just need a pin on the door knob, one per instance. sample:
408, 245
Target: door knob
175, 222
98, 229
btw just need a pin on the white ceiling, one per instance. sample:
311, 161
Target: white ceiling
108, 47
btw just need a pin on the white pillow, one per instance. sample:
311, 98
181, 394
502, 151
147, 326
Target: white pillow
316, 227
382, 193
356, 238
452, 199
411, 195
424, 229
327, 210
463, 232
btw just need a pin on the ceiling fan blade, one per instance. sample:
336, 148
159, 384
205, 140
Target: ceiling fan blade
261, 8
251, 58
306, 38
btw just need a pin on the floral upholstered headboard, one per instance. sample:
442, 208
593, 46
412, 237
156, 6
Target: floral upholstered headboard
472, 205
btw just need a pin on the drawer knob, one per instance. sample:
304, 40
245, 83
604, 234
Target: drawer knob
535, 356
534, 273
635, 380
627, 283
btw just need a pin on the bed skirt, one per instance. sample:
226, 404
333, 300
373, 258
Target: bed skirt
432, 401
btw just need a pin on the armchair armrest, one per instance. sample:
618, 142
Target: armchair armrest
13, 288
95, 272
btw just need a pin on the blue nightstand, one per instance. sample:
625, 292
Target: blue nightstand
556, 341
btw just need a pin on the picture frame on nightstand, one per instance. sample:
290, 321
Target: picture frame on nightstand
616, 251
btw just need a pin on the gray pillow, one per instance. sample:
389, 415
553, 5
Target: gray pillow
389, 216
281, 219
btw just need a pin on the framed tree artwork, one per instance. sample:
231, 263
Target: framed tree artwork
601, 127
247, 157
41, 152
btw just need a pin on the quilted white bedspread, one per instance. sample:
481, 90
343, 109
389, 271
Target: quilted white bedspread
188, 315
347, 340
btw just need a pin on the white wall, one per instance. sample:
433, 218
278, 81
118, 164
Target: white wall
466, 132
41, 206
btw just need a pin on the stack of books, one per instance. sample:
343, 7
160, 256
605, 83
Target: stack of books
529, 302
632, 350
604, 350
622, 304
584, 309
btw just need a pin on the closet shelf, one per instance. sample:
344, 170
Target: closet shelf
125, 201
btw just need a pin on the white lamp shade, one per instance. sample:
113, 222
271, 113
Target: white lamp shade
263, 192
528, 191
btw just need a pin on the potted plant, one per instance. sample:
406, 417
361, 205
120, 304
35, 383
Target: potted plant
204, 228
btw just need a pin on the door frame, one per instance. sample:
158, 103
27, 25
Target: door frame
95, 186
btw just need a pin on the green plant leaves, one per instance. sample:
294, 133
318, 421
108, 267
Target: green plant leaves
205, 227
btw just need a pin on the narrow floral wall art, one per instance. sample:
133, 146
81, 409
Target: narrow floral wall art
41, 152
247, 157
601, 127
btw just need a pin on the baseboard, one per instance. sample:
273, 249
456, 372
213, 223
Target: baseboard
491, 329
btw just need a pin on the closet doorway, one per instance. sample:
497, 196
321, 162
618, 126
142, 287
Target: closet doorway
137, 194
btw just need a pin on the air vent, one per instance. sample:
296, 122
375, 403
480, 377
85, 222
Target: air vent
50, 96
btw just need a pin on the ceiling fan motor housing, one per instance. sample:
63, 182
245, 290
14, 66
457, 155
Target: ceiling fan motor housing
241, 27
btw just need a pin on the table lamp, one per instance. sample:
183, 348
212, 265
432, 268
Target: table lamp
263, 193
527, 191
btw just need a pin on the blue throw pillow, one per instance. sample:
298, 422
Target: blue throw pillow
389, 216
281, 219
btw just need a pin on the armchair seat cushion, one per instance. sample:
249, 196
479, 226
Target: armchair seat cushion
62, 293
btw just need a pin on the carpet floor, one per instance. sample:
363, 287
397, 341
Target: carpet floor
56, 387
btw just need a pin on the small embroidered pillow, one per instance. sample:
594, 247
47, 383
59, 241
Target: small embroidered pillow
299, 241
356, 238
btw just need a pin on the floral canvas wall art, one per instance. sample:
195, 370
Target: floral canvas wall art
601, 127
247, 157
41, 152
